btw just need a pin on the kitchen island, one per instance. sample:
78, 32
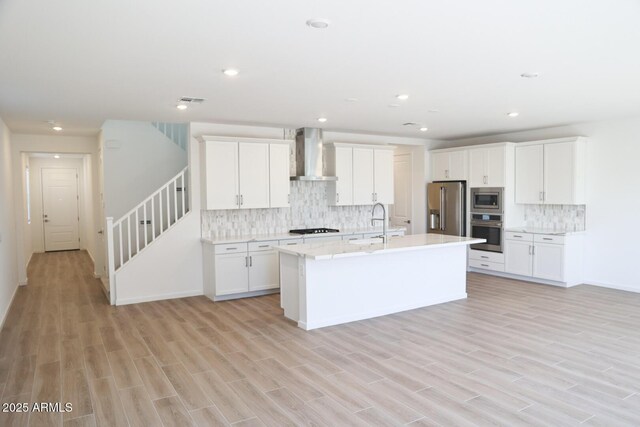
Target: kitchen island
324, 284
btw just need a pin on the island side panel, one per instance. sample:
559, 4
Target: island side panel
342, 290
289, 285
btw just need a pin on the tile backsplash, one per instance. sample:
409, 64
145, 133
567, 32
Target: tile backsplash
556, 217
309, 207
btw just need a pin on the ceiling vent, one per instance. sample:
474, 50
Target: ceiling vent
409, 124
190, 100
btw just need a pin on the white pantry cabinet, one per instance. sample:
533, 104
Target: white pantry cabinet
449, 165
551, 172
487, 167
244, 173
364, 172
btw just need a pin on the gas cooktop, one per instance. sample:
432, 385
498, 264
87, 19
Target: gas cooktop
314, 231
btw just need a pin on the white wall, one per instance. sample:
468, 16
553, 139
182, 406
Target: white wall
138, 159
613, 195
22, 145
8, 246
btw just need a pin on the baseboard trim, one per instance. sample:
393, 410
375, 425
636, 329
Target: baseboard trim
4, 316
160, 297
612, 286
528, 279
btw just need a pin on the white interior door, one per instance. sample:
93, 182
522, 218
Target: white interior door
403, 192
60, 209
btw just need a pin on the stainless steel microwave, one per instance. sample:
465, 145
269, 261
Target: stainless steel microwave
489, 200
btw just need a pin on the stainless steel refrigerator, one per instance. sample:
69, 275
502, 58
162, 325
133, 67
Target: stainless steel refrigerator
446, 208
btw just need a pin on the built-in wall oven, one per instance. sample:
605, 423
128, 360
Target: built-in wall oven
487, 200
486, 217
489, 227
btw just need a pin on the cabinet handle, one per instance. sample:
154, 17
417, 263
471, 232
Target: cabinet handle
484, 265
530, 251
237, 200
337, 197
446, 173
375, 197
519, 237
288, 198
263, 246
289, 244
547, 238
246, 261
250, 261
231, 249
544, 195
541, 196
485, 257
241, 200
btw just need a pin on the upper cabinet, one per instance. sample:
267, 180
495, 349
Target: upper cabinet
244, 173
487, 167
551, 172
365, 174
449, 165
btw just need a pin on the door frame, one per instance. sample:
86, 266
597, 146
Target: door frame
42, 195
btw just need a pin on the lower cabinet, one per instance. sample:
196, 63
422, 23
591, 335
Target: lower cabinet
237, 270
554, 258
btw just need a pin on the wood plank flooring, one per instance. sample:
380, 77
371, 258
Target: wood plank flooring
513, 353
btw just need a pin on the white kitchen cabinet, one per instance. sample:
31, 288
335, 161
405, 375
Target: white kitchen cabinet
487, 167
240, 270
551, 172
518, 257
449, 165
253, 175
340, 164
548, 261
364, 172
363, 181
263, 270
244, 173
530, 174
279, 183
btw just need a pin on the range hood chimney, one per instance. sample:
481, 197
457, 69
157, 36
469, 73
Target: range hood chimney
309, 156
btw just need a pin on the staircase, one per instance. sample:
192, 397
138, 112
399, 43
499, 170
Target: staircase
176, 132
144, 224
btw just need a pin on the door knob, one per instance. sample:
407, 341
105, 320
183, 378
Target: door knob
46, 220
408, 221
101, 232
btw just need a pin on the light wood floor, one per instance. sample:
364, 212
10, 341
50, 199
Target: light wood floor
513, 353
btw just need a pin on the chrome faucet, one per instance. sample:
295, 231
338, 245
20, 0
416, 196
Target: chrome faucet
383, 219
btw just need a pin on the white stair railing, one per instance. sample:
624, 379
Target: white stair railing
176, 132
138, 228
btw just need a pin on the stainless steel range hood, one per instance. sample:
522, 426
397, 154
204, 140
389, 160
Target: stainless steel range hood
309, 165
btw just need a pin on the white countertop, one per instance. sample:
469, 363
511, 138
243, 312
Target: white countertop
532, 230
341, 249
285, 236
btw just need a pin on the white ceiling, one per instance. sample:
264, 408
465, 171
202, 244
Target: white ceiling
81, 62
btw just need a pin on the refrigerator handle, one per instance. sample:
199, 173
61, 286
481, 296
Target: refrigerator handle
443, 209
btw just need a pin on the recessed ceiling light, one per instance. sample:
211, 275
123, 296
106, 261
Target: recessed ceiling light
513, 114
57, 128
56, 156
322, 119
181, 106
529, 75
394, 105
318, 23
424, 129
230, 72
402, 97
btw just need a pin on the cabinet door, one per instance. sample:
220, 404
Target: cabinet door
221, 171
279, 175
548, 261
344, 172
478, 168
529, 174
254, 175
559, 173
383, 176
495, 167
458, 165
363, 176
517, 257
440, 165
264, 270
231, 274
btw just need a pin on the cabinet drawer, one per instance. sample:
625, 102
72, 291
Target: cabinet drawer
486, 256
486, 265
512, 235
549, 238
291, 242
262, 246
318, 239
231, 248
